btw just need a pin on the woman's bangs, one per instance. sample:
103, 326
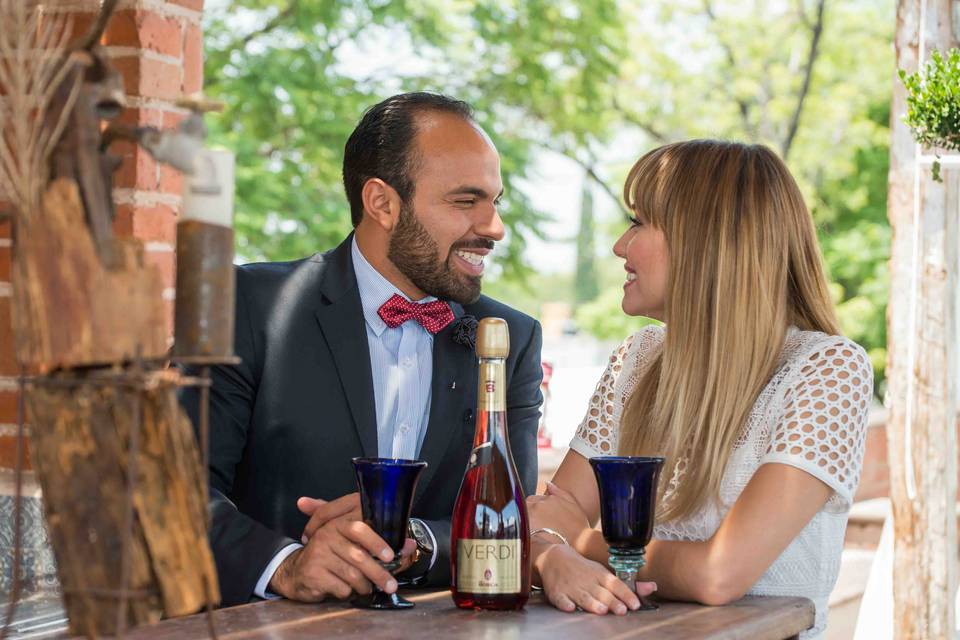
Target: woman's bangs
643, 186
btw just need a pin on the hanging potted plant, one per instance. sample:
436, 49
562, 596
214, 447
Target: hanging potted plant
933, 104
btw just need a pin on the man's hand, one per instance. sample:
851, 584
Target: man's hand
338, 559
321, 512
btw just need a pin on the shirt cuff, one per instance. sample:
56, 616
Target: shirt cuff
261, 589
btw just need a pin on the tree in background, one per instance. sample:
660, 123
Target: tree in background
585, 278
809, 78
296, 84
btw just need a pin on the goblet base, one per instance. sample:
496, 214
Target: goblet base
381, 600
378, 599
626, 563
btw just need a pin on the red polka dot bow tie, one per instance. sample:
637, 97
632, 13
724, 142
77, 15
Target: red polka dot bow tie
432, 316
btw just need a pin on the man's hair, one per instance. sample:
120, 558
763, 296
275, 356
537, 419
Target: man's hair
382, 145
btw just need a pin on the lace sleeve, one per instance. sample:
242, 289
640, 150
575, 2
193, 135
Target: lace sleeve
598, 433
824, 415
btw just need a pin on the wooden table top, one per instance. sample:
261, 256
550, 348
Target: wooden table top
436, 616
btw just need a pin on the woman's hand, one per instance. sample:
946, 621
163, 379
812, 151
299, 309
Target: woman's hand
559, 510
571, 581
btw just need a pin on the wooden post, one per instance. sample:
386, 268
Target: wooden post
922, 349
123, 485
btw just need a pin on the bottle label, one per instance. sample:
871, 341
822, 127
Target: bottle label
488, 566
493, 386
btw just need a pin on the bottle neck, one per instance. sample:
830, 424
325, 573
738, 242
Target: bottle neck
492, 385
491, 401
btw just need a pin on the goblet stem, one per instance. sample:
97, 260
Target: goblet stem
379, 599
391, 566
626, 564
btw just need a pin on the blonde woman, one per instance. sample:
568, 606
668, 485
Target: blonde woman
749, 391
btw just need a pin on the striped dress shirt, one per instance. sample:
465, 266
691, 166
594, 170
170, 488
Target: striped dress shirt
401, 360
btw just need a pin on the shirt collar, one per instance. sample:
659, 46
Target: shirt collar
374, 289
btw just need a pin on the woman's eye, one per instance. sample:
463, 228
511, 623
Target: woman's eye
465, 203
635, 221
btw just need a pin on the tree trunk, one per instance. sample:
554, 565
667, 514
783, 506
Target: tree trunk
585, 279
922, 352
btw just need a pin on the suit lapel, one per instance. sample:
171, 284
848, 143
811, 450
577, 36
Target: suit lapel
344, 329
452, 363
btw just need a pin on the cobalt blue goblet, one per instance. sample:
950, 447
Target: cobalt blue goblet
386, 492
628, 503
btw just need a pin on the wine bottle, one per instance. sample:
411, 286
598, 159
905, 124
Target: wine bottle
490, 537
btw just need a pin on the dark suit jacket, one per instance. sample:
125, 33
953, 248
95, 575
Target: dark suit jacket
286, 422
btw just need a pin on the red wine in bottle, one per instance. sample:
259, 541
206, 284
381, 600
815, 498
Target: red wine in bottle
490, 537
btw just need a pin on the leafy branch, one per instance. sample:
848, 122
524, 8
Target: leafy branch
633, 118
816, 30
589, 167
742, 104
270, 25
933, 103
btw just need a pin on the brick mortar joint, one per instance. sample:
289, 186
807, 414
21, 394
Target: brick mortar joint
145, 102
10, 430
118, 52
158, 7
31, 487
145, 198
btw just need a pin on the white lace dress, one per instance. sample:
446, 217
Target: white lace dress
812, 415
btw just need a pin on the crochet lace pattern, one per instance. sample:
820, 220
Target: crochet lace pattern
811, 415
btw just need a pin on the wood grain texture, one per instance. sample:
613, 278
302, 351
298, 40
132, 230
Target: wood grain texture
81, 439
68, 309
435, 616
922, 350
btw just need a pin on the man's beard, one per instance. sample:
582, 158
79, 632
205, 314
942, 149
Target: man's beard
417, 256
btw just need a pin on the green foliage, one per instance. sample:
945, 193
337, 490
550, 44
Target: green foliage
933, 103
600, 82
585, 277
855, 238
719, 69
604, 318
527, 294
296, 86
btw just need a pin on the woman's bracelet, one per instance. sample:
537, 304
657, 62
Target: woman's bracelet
552, 532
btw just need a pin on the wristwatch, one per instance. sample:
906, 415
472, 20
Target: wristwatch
423, 556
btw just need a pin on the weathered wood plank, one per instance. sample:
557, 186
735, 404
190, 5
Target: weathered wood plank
922, 351
68, 309
436, 616
81, 438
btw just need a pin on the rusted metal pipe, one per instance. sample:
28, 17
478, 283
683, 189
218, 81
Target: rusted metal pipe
203, 317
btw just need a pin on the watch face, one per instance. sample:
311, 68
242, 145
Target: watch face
421, 535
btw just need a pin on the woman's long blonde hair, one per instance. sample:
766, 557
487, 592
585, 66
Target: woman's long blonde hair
744, 264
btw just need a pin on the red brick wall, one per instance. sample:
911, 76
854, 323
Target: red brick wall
157, 46
8, 368
875, 478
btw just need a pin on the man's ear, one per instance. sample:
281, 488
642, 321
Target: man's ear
381, 203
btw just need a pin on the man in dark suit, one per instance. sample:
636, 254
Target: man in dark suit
363, 351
